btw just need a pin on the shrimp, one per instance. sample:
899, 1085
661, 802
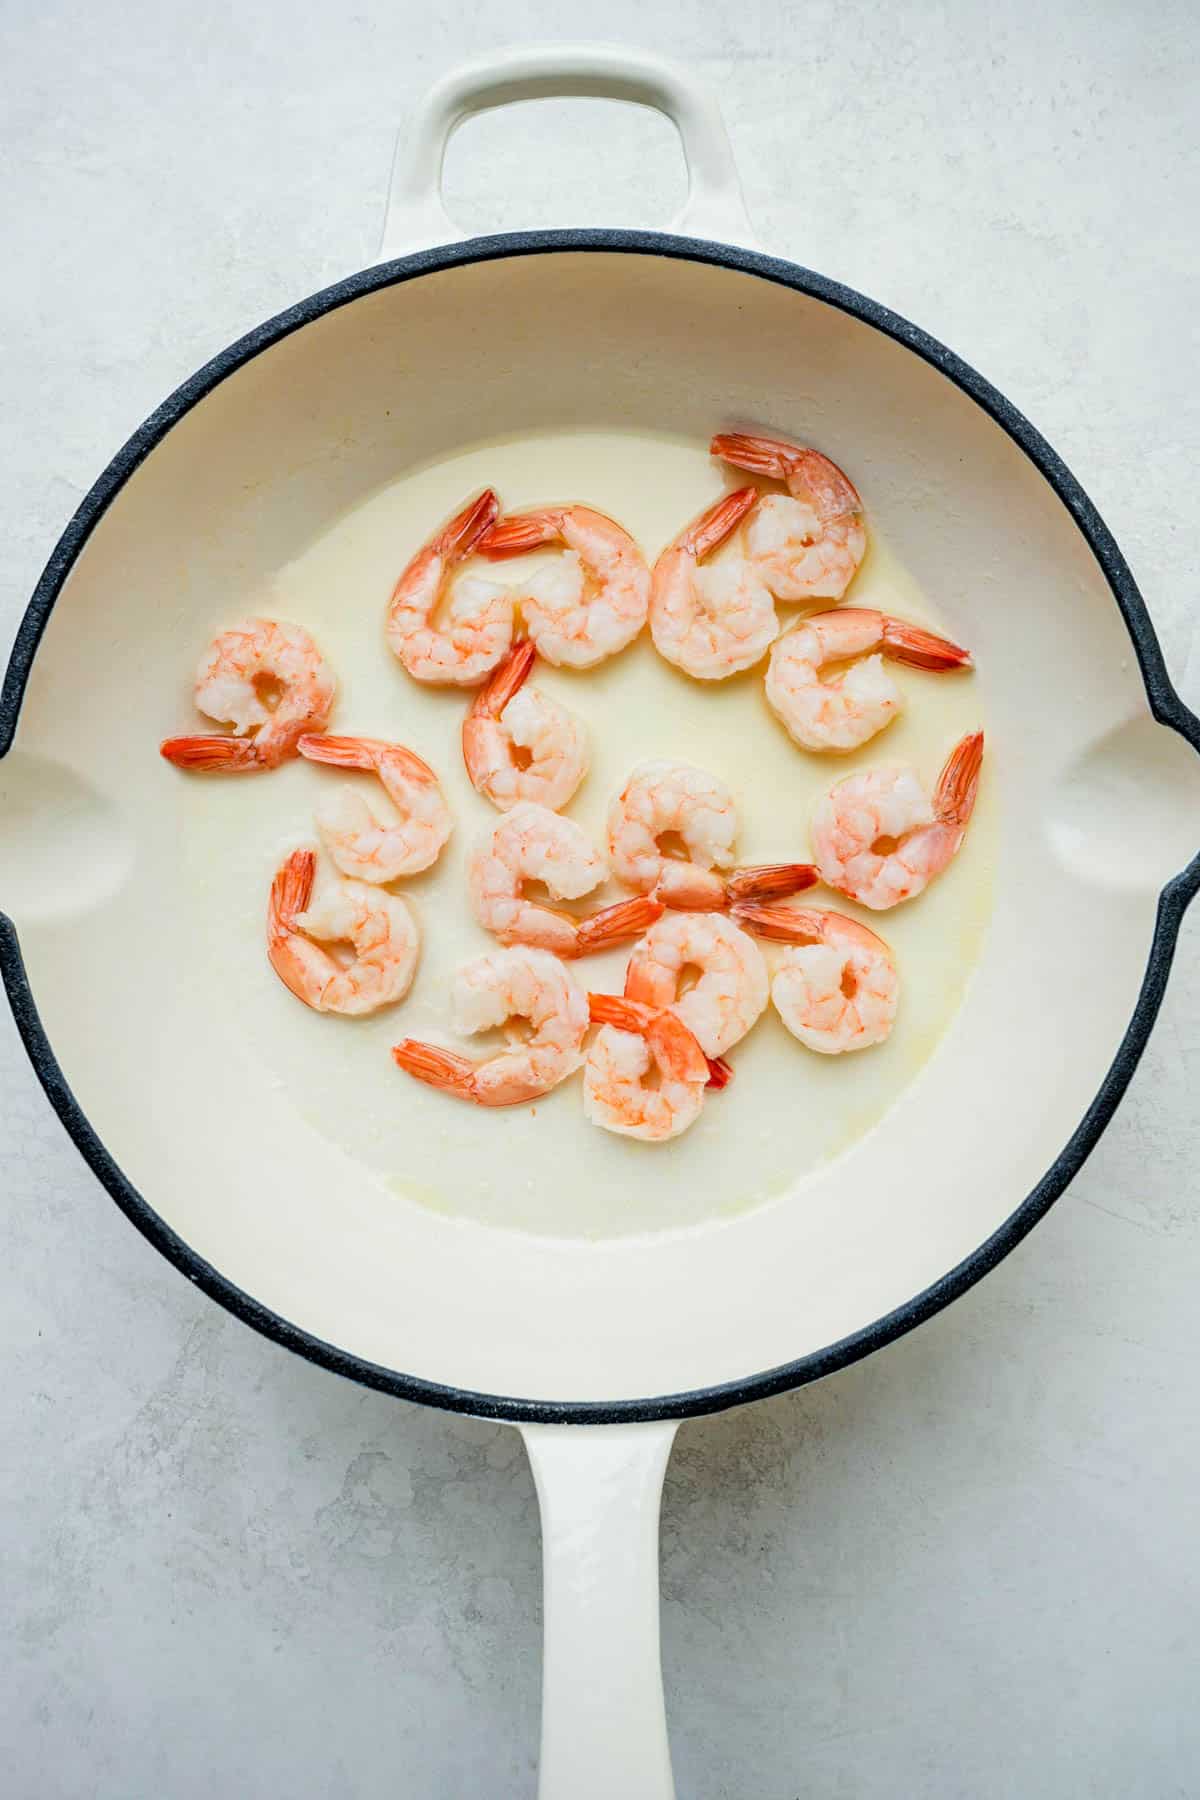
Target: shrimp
838, 989
533, 844
593, 600
732, 991
379, 926
520, 745
477, 627
843, 711
520, 983
671, 799
356, 840
879, 839
270, 682
807, 544
711, 622
636, 1042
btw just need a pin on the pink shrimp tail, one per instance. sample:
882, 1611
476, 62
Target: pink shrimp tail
716, 524
461, 536
228, 755
628, 918
720, 1072
761, 455
786, 924
770, 881
342, 752
626, 1015
506, 679
805, 470
958, 783
436, 1067
520, 532
673, 1044
363, 753
922, 649
291, 890
676, 1049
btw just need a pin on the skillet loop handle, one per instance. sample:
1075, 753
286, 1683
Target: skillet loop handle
604, 1727
416, 218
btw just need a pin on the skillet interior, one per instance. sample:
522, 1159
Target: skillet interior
1096, 808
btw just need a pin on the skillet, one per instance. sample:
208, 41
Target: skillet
187, 1098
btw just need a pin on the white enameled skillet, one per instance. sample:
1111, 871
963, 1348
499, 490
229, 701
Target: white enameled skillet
595, 1349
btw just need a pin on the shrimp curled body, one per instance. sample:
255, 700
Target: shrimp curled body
451, 639
359, 844
837, 988
519, 983
732, 990
843, 711
711, 621
662, 797
673, 798
533, 844
236, 674
518, 744
637, 1042
878, 837
379, 926
592, 600
807, 544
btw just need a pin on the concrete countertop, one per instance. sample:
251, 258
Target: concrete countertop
966, 1567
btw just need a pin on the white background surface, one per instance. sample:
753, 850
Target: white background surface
967, 1567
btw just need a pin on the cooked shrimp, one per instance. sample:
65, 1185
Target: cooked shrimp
640, 1041
476, 621
838, 989
842, 711
356, 840
592, 600
807, 544
270, 682
533, 844
520, 745
732, 990
672, 799
489, 991
879, 839
379, 926
711, 622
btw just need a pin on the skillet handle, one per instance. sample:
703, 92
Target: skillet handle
416, 218
604, 1726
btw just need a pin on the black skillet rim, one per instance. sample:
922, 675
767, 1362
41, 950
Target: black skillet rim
1165, 705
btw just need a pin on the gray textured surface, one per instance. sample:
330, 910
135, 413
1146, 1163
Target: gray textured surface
965, 1568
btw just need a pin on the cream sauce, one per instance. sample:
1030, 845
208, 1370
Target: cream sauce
543, 1168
